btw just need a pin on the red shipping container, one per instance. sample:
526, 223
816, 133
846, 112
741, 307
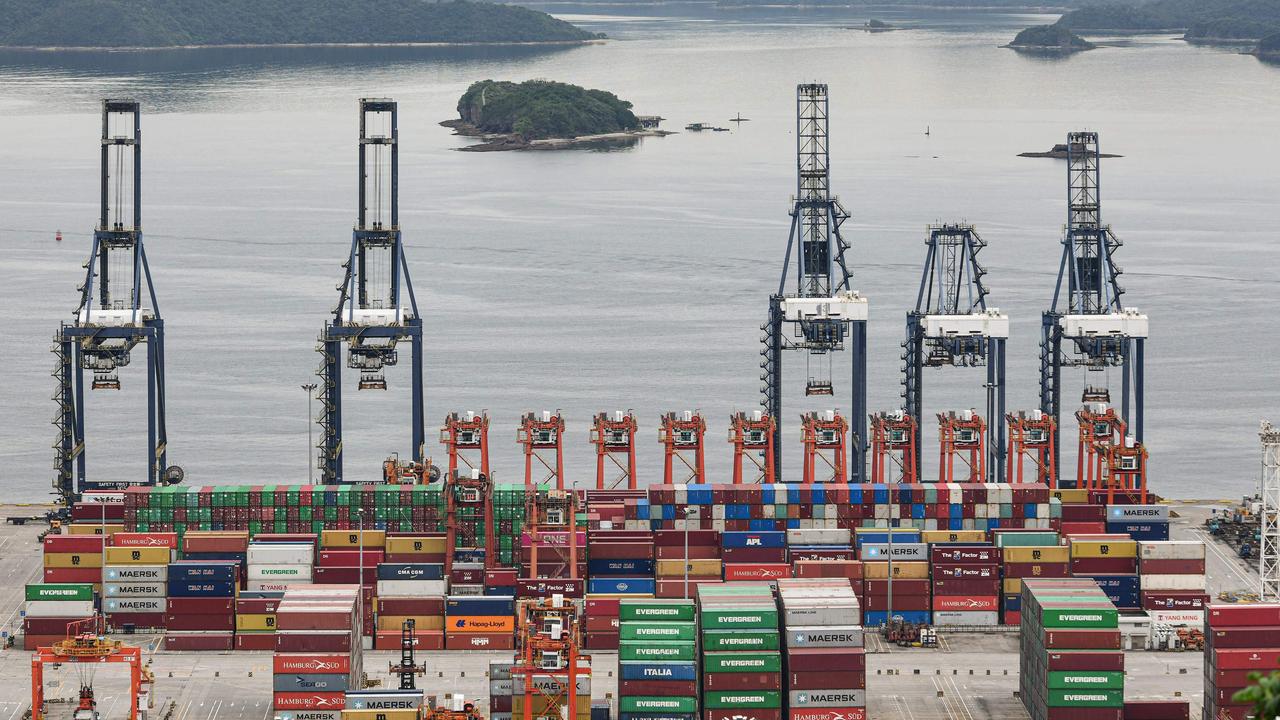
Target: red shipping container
1244, 637
880, 588
1083, 528
48, 625
309, 701
801, 660
974, 571
480, 641
255, 641
148, 539
311, 663
676, 552
199, 622
349, 558
601, 640
964, 554
827, 714
73, 575
848, 680
83, 544
428, 558
257, 606
1225, 695
1037, 570
422, 640
743, 714
658, 687
199, 641
966, 603
851, 569
31, 642
200, 606
1174, 600
1104, 566
694, 537
1157, 710
754, 555
1101, 660
1244, 615
597, 606
1231, 678
138, 620
675, 588
756, 571
741, 681
1084, 513
314, 641
601, 624
546, 587
1233, 659
948, 586
1079, 713
410, 606
217, 544
345, 575
1171, 567
1071, 639
810, 555
1234, 712
1012, 617
621, 550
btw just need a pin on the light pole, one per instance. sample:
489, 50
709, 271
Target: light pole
689, 512
360, 540
309, 388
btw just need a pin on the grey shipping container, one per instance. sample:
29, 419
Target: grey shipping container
853, 697
824, 636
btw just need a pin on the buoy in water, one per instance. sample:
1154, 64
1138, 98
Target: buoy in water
58, 237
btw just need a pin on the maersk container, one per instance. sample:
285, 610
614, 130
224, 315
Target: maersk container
384, 699
134, 589
410, 571
824, 636
136, 573
550, 684
850, 697
135, 605
678, 671
622, 585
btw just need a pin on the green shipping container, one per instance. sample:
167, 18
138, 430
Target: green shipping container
1086, 698
652, 650
1100, 680
743, 618
655, 705
59, 591
655, 611
734, 699
740, 640
657, 631
741, 662
1100, 617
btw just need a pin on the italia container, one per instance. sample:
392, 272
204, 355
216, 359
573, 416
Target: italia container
1071, 667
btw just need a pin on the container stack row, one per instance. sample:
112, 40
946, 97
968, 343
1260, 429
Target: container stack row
135, 582
1072, 667
201, 605
1239, 640
657, 659
965, 585
317, 627
479, 622
1027, 555
500, 689
824, 661
50, 607
741, 652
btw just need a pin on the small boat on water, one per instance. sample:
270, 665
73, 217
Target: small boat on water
699, 127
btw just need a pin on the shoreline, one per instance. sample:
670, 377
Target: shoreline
504, 142
243, 46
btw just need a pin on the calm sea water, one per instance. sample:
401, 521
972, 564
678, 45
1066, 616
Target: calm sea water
591, 281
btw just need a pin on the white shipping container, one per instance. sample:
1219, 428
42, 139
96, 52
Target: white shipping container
134, 605
59, 608
1172, 582
308, 715
956, 618
280, 573
818, 537
281, 553
850, 698
134, 589
833, 613
1171, 549
135, 573
413, 588
500, 687
1177, 618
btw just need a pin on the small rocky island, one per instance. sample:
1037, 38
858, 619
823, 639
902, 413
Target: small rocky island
1054, 39
543, 115
1059, 152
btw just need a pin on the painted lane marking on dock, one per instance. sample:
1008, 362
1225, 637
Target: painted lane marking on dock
1230, 564
960, 696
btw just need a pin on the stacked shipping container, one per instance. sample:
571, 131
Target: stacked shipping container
1072, 667
479, 623
201, 605
685, 559
1239, 639
966, 585
135, 583
824, 662
657, 668
50, 607
741, 658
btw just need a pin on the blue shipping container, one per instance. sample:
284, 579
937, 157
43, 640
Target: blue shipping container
1013, 603
606, 566
731, 539
1123, 590
500, 590
204, 573
659, 670
468, 556
200, 588
469, 605
642, 586
1140, 531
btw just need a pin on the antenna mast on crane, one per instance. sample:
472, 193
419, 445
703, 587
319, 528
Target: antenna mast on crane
823, 309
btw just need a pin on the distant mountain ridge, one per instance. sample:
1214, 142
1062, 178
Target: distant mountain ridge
1197, 19
169, 23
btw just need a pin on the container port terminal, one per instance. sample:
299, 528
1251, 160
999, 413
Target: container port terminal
1006, 585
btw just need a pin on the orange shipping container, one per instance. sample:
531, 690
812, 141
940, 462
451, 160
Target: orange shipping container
481, 624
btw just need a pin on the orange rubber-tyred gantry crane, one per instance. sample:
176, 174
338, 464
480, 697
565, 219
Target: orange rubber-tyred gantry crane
614, 436
542, 438
85, 644
682, 436
752, 439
